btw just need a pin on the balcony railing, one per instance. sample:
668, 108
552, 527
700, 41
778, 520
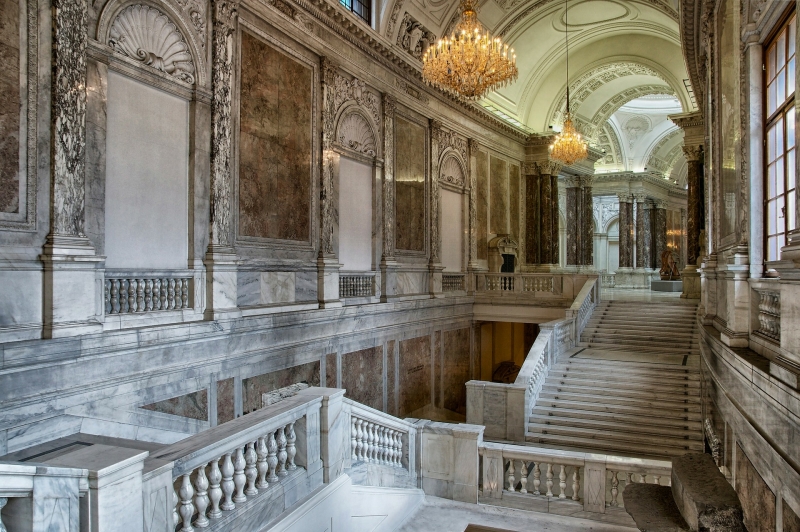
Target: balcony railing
516, 282
140, 294
356, 285
769, 314
453, 282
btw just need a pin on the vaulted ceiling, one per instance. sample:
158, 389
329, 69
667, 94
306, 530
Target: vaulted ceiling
620, 51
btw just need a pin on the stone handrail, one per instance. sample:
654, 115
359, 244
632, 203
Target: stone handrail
516, 282
593, 480
508, 419
379, 438
227, 465
38, 483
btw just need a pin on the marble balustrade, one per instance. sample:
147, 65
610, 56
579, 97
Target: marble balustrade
453, 282
503, 407
515, 282
356, 285
769, 314
379, 438
607, 280
594, 481
139, 294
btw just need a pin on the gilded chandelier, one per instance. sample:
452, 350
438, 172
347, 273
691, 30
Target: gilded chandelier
568, 147
469, 62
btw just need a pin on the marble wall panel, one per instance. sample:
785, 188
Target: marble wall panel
409, 185
728, 109
456, 361
248, 288
362, 376
758, 501
253, 387
513, 198
193, 405
437, 369
409, 283
275, 143
331, 371
498, 195
790, 519
391, 375
225, 401
482, 195
415, 374
9, 106
305, 286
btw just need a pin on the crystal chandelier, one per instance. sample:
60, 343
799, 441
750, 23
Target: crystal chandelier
568, 147
469, 62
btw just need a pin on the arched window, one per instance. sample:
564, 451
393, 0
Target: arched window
362, 8
780, 176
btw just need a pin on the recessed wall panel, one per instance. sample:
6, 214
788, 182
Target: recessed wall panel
409, 185
498, 179
482, 195
9, 106
355, 215
452, 219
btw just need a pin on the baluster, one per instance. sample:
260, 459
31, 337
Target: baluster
227, 483
106, 302
549, 480
291, 448
282, 455
272, 458
384, 445
148, 295
614, 488
184, 293
657, 479
123, 296
523, 477
576, 484
261, 465
115, 296
131, 295
537, 473
171, 294
214, 490
162, 295
359, 441
239, 478
353, 439
398, 449
140, 295
390, 447
370, 440
511, 475
643, 479
187, 507
201, 497
176, 517
630, 479
562, 483
250, 471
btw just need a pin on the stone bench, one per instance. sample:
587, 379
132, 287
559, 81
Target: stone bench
700, 499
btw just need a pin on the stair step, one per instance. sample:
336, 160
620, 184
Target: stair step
693, 429
616, 366
661, 406
620, 435
642, 393
606, 342
623, 332
622, 375
637, 349
614, 417
594, 406
692, 389
609, 447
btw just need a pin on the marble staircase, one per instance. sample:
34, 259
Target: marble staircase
631, 386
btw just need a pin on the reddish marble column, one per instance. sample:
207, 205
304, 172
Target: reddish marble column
625, 231
588, 222
694, 161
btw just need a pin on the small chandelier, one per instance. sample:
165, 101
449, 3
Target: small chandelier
568, 147
469, 62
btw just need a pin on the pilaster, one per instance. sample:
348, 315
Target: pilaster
435, 267
659, 214
472, 264
388, 263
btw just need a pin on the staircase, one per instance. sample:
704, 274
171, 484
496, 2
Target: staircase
632, 386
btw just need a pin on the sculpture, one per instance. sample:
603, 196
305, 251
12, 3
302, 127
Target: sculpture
669, 269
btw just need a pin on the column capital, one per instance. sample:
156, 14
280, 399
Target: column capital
329, 69
692, 153
389, 105
473, 146
625, 197
640, 198
571, 181
693, 127
436, 128
660, 204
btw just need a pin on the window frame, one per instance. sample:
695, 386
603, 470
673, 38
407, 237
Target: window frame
781, 112
364, 5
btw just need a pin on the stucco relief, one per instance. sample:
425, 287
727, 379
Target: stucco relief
356, 90
355, 133
609, 143
413, 37
145, 34
452, 172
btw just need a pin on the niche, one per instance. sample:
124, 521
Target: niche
503, 254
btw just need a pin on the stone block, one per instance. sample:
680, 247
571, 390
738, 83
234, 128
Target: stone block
702, 494
653, 508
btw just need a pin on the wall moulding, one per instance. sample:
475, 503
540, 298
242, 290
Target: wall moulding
134, 29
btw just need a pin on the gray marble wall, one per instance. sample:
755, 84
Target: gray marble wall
9, 106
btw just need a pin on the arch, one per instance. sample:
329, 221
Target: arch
125, 25
611, 223
615, 103
452, 169
355, 131
662, 162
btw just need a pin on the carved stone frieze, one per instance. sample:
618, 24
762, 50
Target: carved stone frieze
145, 34
286, 8
413, 37
354, 89
410, 90
69, 116
355, 133
398, 5
196, 12
225, 17
451, 140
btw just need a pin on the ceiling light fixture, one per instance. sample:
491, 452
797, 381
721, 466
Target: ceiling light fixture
470, 62
568, 147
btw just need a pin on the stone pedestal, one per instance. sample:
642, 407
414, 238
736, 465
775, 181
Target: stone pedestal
388, 280
449, 460
435, 280
115, 485
334, 429
691, 282
328, 282
73, 287
221, 284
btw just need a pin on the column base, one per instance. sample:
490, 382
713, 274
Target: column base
73, 287
691, 282
222, 290
328, 282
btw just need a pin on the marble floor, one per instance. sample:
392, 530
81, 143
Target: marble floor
441, 515
623, 294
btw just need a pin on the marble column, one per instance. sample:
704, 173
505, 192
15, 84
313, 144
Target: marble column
547, 217
327, 263
388, 263
588, 222
435, 267
71, 278
472, 246
644, 232
221, 262
532, 213
691, 278
625, 231
659, 215
554, 233
579, 220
